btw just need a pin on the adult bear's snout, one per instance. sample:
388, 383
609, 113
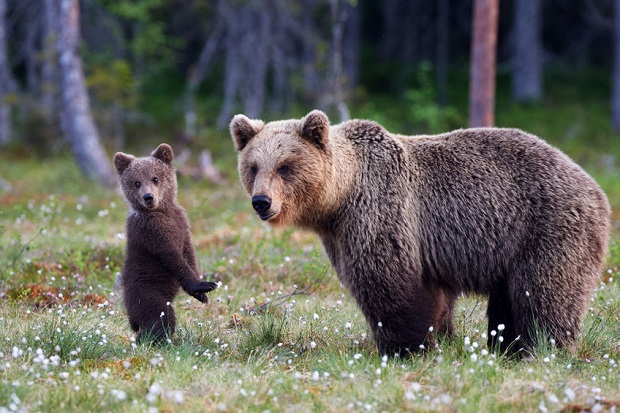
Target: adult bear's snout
261, 203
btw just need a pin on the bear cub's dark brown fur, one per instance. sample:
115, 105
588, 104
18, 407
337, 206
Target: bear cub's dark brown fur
160, 256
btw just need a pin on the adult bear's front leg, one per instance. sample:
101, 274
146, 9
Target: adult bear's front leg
409, 323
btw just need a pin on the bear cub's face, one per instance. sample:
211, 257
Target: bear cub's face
284, 165
148, 182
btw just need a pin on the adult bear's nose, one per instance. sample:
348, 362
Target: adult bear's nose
148, 198
261, 203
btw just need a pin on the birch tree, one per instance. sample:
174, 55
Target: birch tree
75, 115
6, 81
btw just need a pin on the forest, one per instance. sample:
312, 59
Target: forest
171, 70
83, 79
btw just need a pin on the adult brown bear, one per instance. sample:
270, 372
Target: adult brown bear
409, 223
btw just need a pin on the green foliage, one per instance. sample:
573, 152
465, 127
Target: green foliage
113, 83
148, 38
424, 112
268, 331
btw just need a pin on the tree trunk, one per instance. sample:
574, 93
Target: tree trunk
351, 45
6, 81
482, 64
311, 78
196, 75
527, 61
615, 97
442, 56
49, 77
339, 13
76, 119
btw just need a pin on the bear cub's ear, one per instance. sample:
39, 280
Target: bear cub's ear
163, 153
315, 128
121, 161
243, 129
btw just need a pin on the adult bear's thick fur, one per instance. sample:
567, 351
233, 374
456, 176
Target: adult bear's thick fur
409, 223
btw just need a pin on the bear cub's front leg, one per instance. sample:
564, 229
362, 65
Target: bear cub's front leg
199, 291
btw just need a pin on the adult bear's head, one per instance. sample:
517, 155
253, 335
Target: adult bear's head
285, 166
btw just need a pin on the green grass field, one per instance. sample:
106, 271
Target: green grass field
280, 333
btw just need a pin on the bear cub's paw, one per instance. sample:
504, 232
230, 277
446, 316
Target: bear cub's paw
199, 290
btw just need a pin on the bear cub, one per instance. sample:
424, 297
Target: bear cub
160, 256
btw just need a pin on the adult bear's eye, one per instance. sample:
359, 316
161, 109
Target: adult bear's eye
155, 180
137, 184
284, 169
253, 170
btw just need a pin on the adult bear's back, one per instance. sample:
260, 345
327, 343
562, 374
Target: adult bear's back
486, 196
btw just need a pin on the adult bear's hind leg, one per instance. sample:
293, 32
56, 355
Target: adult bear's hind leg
502, 334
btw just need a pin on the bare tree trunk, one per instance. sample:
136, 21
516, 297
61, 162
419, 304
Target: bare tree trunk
527, 61
76, 119
339, 18
482, 72
198, 72
351, 46
254, 92
30, 54
442, 57
615, 96
49, 75
308, 59
6, 80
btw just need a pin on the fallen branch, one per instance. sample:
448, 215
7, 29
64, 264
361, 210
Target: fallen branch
205, 168
284, 298
5, 185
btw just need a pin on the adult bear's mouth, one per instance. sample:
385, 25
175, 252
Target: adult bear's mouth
266, 215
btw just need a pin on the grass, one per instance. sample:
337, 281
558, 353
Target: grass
280, 334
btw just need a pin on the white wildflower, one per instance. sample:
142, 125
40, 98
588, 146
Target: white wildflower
176, 396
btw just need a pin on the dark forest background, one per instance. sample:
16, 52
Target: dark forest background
97, 76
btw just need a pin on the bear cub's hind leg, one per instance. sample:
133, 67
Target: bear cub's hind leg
157, 327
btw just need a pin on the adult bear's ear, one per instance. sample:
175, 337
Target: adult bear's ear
243, 129
121, 161
164, 153
315, 129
